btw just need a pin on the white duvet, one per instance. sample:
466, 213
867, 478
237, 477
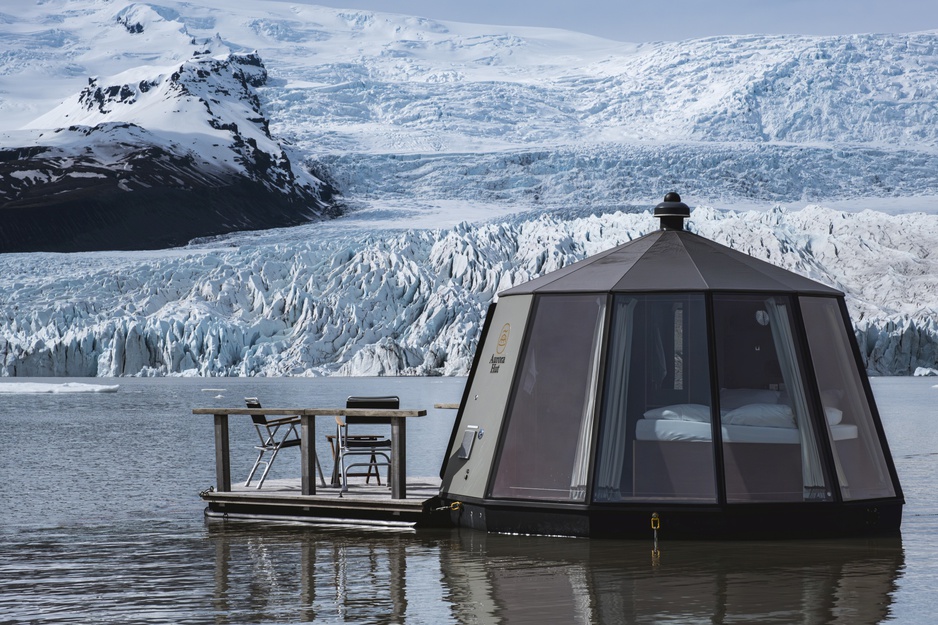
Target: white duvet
748, 416
675, 430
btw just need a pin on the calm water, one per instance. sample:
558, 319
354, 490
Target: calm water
100, 522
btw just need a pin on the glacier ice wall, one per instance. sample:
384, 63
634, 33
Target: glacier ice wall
412, 302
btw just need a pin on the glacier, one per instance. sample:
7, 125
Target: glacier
469, 159
412, 301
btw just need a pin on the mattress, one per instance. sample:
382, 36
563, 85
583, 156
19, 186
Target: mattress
676, 430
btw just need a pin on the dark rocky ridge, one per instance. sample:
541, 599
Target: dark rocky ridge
119, 186
149, 199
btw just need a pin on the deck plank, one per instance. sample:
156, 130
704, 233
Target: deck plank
365, 501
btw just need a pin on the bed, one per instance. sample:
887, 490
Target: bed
674, 430
761, 448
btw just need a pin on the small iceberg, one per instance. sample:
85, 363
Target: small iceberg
66, 387
925, 372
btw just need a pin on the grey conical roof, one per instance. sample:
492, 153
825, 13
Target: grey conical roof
671, 260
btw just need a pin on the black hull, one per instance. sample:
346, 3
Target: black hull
742, 522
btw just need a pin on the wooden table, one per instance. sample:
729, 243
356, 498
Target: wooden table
308, 435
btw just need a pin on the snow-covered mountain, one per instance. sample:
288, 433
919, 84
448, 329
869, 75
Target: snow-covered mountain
390, 106
154, 156
470, 158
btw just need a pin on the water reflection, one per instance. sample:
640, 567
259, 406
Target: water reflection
471, 577
294, 575
579, 581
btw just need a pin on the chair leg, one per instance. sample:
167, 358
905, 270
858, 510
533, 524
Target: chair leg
373, 467
254, 468
270, 463
343, 478
322, 478
343, 472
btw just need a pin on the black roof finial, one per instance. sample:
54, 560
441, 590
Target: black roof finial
672, 212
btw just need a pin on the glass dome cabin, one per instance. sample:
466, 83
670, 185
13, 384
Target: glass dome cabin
673, 376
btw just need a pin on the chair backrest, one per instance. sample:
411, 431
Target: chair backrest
385, 402
252, 402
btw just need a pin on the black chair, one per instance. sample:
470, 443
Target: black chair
274, 435
377, 449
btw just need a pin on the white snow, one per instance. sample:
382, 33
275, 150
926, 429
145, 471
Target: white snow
471, 158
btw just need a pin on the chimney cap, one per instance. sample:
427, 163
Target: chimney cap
672, 212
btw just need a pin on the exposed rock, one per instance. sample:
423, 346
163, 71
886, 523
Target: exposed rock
125, 185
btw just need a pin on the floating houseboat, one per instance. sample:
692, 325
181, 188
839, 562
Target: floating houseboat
670, 382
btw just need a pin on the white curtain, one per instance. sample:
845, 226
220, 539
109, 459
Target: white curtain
581, 460
812, 474
614, 434
833, 323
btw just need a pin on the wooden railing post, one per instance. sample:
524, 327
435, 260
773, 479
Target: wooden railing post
308, 453
222, 454
398, 458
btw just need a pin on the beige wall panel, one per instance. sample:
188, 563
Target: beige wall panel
482, 416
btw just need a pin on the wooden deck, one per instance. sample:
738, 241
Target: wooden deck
363, 504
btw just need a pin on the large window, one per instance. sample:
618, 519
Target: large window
858, 454
770, 450
545, 451
655, 436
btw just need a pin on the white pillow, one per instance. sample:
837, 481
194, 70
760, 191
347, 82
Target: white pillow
834, 415
681, 412
733, 398
832, 397
764, 415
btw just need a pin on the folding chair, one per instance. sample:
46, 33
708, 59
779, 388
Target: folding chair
377, 449
272, 440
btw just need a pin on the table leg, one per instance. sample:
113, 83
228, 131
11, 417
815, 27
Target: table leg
398, 458
222, 455
308, 454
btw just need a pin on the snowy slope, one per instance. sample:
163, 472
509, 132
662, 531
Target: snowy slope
475, 158
404, 106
